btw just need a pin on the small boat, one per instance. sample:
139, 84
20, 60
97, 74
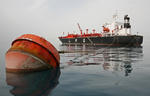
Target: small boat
31, 53
113, 34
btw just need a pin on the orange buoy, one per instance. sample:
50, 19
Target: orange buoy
31, 53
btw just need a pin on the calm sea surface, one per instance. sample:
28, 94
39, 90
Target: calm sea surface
85, 71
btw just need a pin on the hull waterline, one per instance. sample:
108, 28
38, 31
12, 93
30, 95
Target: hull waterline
134, 40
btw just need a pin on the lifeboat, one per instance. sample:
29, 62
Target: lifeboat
31, 53
105, 29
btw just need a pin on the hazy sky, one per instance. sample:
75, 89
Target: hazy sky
49, 18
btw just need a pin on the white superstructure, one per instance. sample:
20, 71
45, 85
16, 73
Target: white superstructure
117, 28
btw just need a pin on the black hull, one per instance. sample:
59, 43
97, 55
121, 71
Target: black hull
132, 40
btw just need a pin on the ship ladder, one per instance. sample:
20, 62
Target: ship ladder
90, 40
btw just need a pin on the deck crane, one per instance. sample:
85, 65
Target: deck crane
79, 28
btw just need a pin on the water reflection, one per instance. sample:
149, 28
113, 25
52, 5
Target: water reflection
33, 84
113, 59
121, 59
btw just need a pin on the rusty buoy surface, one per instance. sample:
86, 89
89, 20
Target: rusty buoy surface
31, 53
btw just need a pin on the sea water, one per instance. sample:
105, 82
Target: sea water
85, 71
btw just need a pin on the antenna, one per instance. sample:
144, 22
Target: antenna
115, 16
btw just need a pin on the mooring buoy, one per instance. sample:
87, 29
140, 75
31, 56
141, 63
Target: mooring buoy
30, 52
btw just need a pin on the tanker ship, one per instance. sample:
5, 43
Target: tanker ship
112, 34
